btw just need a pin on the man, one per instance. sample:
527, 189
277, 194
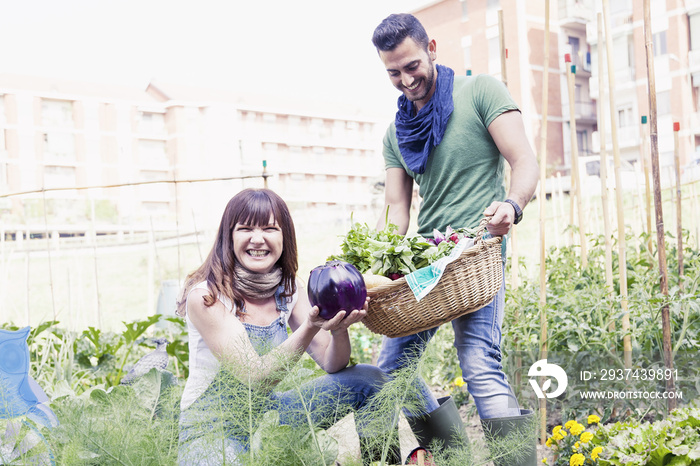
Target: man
451, 136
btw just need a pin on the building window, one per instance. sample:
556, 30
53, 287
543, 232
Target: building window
59, 145
55, 176
153, 152
152, 123
625, 117
659, 40
58, 113
467, 52
694, 26
663, 103
495, 56
492, 7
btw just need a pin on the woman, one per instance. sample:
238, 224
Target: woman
238, 306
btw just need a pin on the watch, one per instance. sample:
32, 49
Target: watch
518, 210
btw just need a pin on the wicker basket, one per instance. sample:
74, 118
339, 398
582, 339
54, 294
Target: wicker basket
467, 284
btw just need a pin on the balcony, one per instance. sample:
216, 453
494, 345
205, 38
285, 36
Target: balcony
575, 12
584, 111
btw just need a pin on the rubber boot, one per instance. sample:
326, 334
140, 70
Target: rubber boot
522, 430
444, 424
371, 450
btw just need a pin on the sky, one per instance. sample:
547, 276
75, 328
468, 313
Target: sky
316, 48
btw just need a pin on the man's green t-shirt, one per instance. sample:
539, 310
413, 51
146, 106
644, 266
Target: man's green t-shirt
465, 172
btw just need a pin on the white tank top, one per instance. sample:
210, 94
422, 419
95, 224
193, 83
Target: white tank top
203, 364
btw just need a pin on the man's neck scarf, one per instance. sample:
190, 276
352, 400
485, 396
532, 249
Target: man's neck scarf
418, 134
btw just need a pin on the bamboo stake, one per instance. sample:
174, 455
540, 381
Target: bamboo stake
504, 50
604, 162
575, 176
679, 222
647, 182
98, 310
48, 252
515, 261
621, 241
661, 246
543, 198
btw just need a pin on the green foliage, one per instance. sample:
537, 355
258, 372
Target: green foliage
135, 424
671, 441
584, 325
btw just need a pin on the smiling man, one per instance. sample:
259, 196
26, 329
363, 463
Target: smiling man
452, 136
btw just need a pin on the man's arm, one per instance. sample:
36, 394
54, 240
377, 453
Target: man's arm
398, 194
508, 132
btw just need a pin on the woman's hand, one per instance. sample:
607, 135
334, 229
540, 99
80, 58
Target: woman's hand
341, 321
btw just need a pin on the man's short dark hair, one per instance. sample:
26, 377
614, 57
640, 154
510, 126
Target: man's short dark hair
397, 27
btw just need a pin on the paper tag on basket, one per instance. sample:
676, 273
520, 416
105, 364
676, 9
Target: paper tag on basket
422, 281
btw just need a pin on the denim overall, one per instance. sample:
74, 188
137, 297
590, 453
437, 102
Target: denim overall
213, 431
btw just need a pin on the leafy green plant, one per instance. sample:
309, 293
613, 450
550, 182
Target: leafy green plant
671, 441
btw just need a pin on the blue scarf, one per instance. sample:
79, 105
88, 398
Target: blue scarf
418, 135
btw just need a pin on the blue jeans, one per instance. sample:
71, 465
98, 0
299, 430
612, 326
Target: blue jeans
478, 343
215, 431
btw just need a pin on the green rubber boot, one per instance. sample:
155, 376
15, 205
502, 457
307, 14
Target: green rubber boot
444, 424
512, 440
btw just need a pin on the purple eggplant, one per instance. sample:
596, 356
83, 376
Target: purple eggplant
336, 286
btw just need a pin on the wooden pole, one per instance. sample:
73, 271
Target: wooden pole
604, 161
660, 235
512, 235
575, 176
679, 216
543, 214
646, 163
621, 240
48, 252
504, 50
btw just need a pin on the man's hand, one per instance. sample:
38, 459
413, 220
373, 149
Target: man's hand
502, 220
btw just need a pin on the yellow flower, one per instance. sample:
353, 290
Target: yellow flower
593, 419
544, 460
556, 429
586, 437
549, 442
569, 424
577, 459
596, 451
576, 446
576, 429
458, 381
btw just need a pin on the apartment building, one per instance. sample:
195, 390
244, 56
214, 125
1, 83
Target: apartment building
130, 145
468, 38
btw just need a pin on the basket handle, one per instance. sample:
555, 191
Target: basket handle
481, 228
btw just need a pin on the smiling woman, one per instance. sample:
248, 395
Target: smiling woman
248, 321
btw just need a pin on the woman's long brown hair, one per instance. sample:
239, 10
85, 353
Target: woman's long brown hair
252, 207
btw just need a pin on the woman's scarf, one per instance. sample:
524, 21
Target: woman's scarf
257, 285
418, 134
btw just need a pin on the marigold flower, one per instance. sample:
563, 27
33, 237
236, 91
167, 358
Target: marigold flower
570, 423
586, 437
458, 381
577, 459
593, 419
576, 429
556, 429
544, 460
576, 446
596, 452
549, 442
